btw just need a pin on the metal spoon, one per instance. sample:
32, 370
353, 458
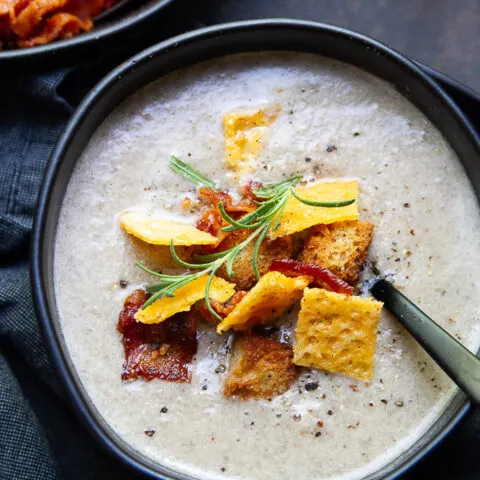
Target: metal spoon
458, 363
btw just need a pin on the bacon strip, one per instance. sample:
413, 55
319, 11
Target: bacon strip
31, 16
321, 276
212, 221
61, 25
26, 23
87, 9
163, 351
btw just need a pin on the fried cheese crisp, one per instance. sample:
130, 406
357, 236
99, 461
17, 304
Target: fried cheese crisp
341, 247
244, 133
297, 216
185, 297
160, 231
337, 333
261, 367
268, 299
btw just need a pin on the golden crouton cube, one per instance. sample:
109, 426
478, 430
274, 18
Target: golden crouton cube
244, 277
341, 247
268, 299
337, 333
261, 367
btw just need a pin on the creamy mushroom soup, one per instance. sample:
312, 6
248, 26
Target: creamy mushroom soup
336, 121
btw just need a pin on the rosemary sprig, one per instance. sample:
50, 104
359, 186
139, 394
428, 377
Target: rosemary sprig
273, 200
188, 172
169, 283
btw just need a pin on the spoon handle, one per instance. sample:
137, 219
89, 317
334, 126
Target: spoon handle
458, 363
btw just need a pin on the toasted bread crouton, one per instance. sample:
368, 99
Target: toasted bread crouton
337, 333
244, 277
341, 247
261, 367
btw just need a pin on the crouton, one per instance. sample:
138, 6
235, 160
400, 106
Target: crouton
337, 333
261, 367
341, 247
244, 277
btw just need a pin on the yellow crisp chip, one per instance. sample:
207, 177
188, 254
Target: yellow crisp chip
268, 299
337, 333
245, 133
160, 231
185, 297
297, 216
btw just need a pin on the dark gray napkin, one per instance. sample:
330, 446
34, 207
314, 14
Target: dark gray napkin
39, 436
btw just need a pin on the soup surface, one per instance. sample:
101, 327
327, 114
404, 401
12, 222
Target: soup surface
427, 230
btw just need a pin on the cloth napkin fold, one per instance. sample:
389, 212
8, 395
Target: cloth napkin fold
39, 436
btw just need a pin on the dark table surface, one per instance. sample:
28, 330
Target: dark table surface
444, 34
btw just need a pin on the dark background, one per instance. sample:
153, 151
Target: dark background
444, 34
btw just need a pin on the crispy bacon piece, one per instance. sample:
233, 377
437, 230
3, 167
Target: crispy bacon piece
33, 14
247, 190
223, 309
212, 221
321, 276
87, 9
162, 351
61, 25
211, 197
246, 205
26, 23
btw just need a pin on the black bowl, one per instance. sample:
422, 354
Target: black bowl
106, 32
186, 50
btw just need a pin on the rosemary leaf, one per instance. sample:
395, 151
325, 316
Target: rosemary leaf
183, 263
341, 203
188, 172
231, 221
207, 297
256, 250
213, 256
